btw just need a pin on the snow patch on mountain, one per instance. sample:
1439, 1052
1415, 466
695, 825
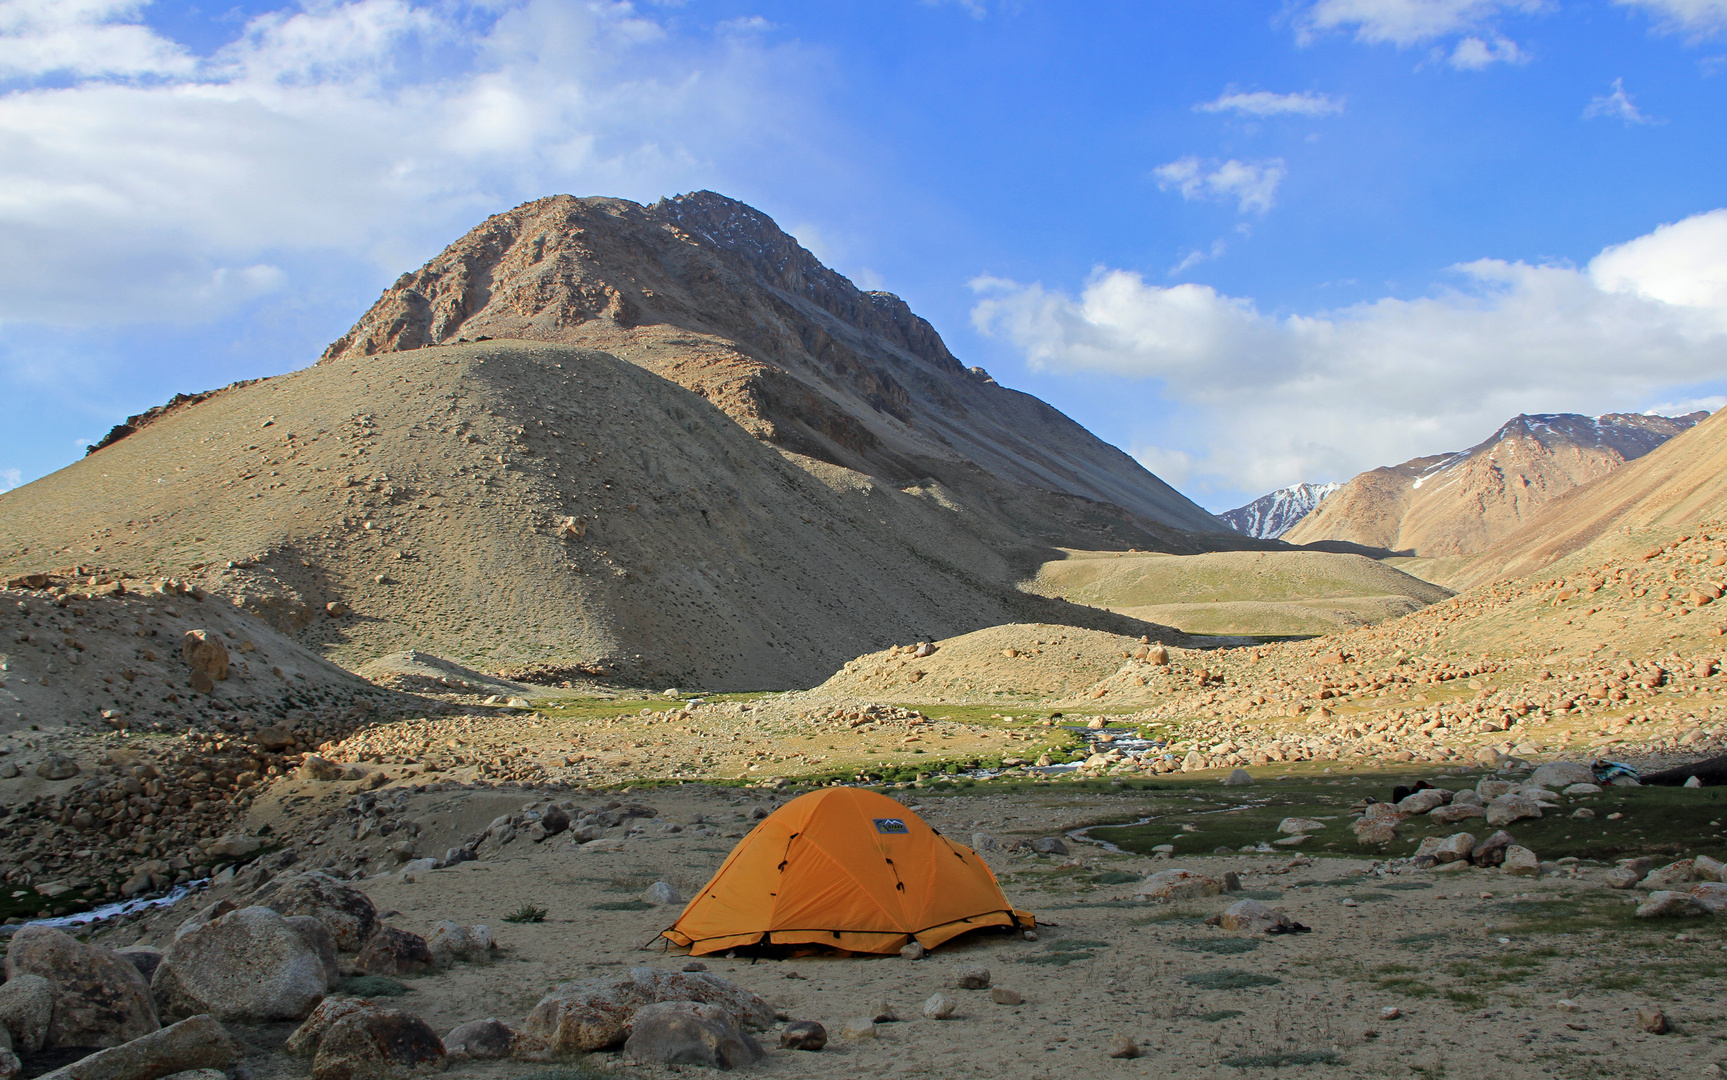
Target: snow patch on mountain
1270, 516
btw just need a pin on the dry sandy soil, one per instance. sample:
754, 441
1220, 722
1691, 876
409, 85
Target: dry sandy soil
1476, 962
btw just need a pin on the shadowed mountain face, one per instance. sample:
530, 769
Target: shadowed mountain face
711, 294
705, 459
1458, 504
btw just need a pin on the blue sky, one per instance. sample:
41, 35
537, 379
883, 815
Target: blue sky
1250, 243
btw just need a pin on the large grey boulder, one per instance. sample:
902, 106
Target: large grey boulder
197, 1042
249, 965
1558, 774
689, 1033
378, 1044
314, 933
1169, 885
100, 1000
346, 911
451, 941
26, 1009
586, 1016
1510, 807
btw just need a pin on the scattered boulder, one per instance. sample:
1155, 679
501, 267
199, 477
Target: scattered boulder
100, 1000
1621, 878
1001, 995
451, 941
1667, 904
1672, 876
1123, 1046
247, 965
1511, 806
1238, 778
1457, 847
146, 958
345, 910
1170, 885
1049, 845
973, 979
197, 1042
803, 1035
57, 767
662, 892
1520, 861
205, 654
1491, 851
26, 1009
1423, 801
939, 1007
1458, 811
391, 951
233, 846
1558, 774
1711, 894
314, 933
314, 767
378, 1044
480, 1040
586, 1016
1652, 1020
305, 1038
911, 950
1707, 869
689, 1033
1575, 790
1377, 824
859, 1027
1255, 918
1295, 826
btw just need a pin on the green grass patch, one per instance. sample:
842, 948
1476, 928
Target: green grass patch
527, 913
1220, 946
621, 905
1428, 937
372, 986
1115, 877
1219, 1016
1064, 952
1229, 979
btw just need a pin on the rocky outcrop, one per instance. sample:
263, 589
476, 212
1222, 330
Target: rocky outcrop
583, 1017
344, 910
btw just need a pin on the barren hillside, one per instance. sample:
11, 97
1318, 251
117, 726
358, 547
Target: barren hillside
711, 294
1451, 504
518, 503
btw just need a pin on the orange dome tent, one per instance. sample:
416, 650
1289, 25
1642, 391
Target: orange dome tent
848, 869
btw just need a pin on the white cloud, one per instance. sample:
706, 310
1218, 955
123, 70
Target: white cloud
1266, 103
1265, 401
1615, 106
1687, 405
1409, 22
1698, 18
83, 37
157, 185
1473, 53
10, 478
1251, 184
975, 8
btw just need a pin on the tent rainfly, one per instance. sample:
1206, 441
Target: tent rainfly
847, 869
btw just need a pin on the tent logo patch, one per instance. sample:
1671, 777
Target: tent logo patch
890, 825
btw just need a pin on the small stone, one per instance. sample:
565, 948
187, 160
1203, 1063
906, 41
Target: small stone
480, 1040
1511, 807
912, 951
1123, 1046
1236, 778
973, 979
1172, 885
803, 1035
391, 951
939, 1007
858, 1027
1621, 878
1567, 1005
694, 965
1652, 1020
1390, 1012
1581, 789
1708, 869
1295, 826
1001, 995
662, 892
1049, 845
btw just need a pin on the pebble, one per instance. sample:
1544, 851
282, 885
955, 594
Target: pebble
858, 1027
1652, 1020
1123, 1046
939, 1007
1001, 995
1390, 1012
973, 979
